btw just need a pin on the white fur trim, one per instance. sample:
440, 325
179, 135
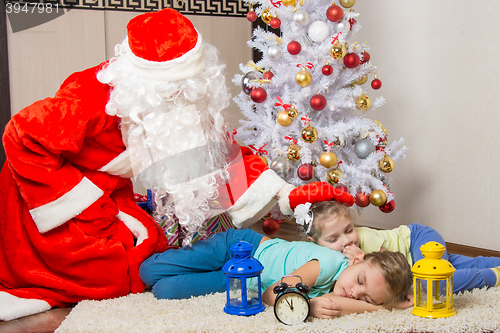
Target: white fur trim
284, 202
119, 166
135, 226
188, 65
69, 205
12, 307
254, 202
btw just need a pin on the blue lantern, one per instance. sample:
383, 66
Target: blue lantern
238, 270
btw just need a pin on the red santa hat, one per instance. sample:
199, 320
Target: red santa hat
319, 191
164, 45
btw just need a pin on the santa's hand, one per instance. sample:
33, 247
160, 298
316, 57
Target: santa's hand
324, 308
351, 251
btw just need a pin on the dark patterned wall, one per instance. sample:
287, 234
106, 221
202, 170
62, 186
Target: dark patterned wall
193, 7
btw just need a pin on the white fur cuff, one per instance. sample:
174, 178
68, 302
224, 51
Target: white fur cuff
135, 226
284, 202
69, 205
12, 307
259, 195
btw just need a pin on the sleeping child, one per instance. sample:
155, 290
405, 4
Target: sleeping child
329, 224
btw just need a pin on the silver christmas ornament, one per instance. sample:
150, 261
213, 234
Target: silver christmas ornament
301, 17
342, 26
385, 181
246, 80
282, 166
363, 148
274, 52
318, 31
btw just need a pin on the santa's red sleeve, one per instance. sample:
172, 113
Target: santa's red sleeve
40, 141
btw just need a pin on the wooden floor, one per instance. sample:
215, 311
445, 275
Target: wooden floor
470, 251
46, 322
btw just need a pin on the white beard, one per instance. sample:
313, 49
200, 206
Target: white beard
181, 164
176, 137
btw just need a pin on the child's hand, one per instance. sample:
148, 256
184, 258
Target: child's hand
324, 308
406, 303
351, 251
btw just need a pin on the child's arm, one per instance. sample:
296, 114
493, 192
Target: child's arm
320, 306
309, 273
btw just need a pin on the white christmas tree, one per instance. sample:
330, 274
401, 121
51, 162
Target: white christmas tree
305, 100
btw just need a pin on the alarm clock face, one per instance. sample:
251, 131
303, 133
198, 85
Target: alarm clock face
291, 308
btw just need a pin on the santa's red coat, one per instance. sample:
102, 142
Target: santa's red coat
69, 227
60, 239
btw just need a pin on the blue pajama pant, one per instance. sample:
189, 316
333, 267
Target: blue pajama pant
195, 270
470, 272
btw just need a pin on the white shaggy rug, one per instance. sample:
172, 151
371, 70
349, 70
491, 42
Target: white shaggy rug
477, 311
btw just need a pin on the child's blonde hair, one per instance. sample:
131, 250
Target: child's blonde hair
396, 272
326, 209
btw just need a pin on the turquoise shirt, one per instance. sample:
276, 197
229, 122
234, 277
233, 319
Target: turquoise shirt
281, 258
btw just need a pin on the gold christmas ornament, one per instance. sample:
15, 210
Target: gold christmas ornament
361, 80
378, 198
333, 176
266, 16
338, 51
283, 119
386, 164
293, 152
328, 159
347, 3
289, 2
264, 160
293, 113
309, 134
363, 102
303, 78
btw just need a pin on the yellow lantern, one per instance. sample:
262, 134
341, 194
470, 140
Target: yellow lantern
433, 283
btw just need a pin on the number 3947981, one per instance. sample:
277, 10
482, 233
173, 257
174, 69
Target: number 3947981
31, 8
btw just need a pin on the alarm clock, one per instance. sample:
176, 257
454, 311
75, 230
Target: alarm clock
291, 306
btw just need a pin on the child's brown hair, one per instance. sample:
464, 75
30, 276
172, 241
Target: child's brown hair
396, 272
323, 209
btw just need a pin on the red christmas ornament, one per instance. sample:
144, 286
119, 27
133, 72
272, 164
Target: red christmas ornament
258, 95
341, 188
334, 13
270, 226
327, 70
376, 84
365, 57
268, 75
294, 47
388, 206
318, 102
275, 23
362, 199
251, 16
305, 172
351, 60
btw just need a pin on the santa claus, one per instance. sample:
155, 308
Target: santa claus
70, 228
